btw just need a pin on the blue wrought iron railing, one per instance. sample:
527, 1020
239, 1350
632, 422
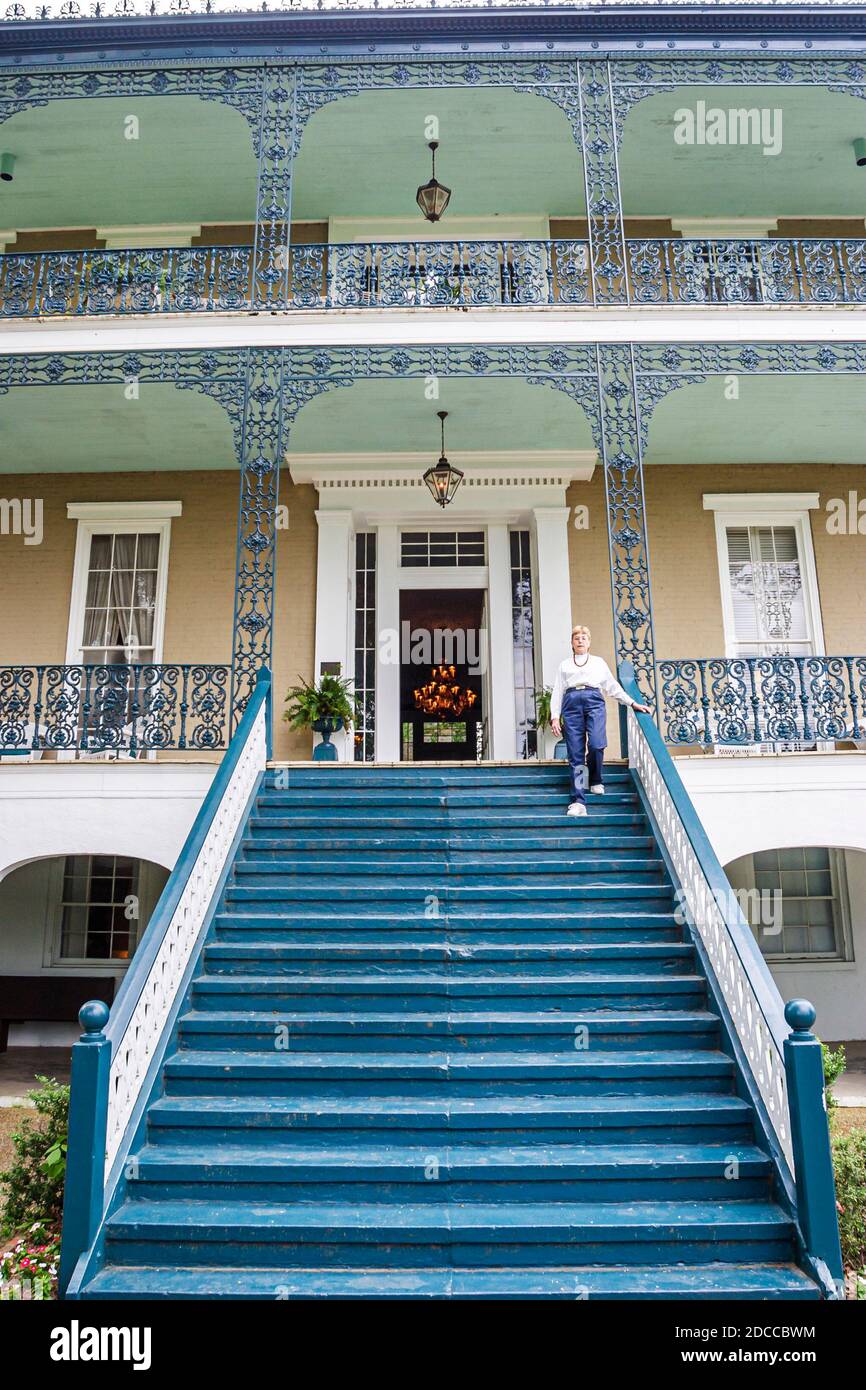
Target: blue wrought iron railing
428, 274
776, 271
778, 1056
124, 709
762, 699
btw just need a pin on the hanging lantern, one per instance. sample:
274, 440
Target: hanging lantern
433, 197
442, 478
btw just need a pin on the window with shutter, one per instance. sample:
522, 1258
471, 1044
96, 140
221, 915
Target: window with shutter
767, 595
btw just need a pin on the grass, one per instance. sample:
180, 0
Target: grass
847, 1118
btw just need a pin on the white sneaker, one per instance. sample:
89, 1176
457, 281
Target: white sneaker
598, 789
576, 808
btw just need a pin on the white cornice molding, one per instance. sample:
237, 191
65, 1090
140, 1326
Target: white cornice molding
761, 501
516, 326
723, 228
517, 227
122, 511
138, 237
483, 468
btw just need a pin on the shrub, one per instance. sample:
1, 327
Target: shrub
834, 1065
849, 1163
34, 1182
29, 1269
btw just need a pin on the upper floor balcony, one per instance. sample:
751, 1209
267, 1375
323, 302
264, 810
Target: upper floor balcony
731, 196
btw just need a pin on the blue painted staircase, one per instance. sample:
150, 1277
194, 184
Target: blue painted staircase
443, 1041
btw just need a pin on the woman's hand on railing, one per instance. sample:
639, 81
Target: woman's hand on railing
643, 709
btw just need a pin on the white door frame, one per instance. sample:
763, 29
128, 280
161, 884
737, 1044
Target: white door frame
494, 580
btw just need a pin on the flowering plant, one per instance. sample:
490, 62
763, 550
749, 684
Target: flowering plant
29, 1268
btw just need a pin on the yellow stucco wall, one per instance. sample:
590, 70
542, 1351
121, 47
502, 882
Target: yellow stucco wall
35, 581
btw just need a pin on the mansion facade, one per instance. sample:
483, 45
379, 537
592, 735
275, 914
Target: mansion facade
386, 344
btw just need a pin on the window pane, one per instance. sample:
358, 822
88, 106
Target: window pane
796, 940
147, 557
819, 912
766, 880
793, 911
98, 583
100, 552
822, 939
817, 858
790, 859
766, 859
793, 883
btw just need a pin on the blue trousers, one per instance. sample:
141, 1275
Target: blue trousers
584, 725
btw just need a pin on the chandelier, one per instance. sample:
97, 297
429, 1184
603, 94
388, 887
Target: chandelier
443, 694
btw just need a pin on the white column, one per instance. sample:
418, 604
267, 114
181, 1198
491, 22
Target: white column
500, 685
552, 588
388, 653
334, 580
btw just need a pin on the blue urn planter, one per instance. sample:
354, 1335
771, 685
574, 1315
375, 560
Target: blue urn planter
325, 752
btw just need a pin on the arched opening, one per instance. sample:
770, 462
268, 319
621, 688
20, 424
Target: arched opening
69, 927
806, 905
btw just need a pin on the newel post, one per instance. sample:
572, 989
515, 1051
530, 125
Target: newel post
85, 1155
810, 1138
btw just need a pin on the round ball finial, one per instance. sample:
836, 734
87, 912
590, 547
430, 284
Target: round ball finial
93, 1016
800, 1015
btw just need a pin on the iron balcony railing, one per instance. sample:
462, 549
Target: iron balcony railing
22, 10
113, 710
427, 274
785, 701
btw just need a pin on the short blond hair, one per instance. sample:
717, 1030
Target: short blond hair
581, 627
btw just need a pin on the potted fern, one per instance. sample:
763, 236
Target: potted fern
325, 708
542, 719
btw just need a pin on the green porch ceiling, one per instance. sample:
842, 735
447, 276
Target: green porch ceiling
71, 429
815, 175
786, 419
376, 417
500, 152
193, 162
95, 429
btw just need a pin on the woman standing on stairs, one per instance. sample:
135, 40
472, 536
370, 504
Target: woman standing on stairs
577, 707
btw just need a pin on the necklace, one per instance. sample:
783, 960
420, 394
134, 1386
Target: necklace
580, 664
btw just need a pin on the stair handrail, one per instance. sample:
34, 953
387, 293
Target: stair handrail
782, 1055
113, 1063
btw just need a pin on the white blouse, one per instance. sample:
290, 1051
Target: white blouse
590, 671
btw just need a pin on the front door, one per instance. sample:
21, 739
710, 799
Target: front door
441, 674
